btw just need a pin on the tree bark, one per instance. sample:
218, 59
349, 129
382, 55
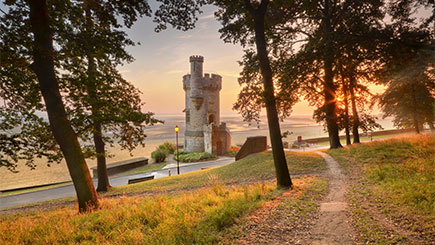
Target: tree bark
280, 162
103, 177
355, 116
329, 87
414, 113
61, 128
346, 112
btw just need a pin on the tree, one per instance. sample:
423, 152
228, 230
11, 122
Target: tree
408, 66
257, 14
24, 134
335, 56
43, 66
99, 99
243, 22
410, 94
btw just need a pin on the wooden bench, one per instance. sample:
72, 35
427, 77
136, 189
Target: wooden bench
137, 180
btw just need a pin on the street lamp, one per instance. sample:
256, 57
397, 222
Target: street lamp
178, 160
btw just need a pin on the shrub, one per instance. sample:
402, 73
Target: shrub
194, 156
168, 147
159, 155
233, 151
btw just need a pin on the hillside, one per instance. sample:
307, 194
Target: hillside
392, 189
191, 208
380, 192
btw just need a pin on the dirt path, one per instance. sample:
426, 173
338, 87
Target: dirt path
333, 225
287, 220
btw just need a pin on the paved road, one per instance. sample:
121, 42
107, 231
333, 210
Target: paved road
67, 191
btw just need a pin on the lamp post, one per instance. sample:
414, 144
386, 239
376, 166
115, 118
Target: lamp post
178, 160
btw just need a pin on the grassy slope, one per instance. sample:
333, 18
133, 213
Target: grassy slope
365, 138
399, 179
252, 168
199, 216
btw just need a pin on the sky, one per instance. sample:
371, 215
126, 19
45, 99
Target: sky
163, 58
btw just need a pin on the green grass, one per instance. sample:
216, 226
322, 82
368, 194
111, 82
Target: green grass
254, 167
202, 215
364, 138
143, 169
400, 179
185, 218
307, 204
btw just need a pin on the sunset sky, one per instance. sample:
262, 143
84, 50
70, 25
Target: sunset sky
163, 58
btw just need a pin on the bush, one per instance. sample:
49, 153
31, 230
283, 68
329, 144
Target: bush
168, 147
159, 155
180, 152
194, 156
233, 151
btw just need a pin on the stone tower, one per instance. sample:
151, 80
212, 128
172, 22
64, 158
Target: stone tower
203, 129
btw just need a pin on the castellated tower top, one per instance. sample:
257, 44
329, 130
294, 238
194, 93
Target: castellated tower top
196, 58
196, 70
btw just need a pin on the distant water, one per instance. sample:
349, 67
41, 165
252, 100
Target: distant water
300, 125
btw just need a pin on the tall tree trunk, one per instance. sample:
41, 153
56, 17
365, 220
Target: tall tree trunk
414, 113
355, 116
329, 87
103, 177
282, 173
346, 112
62, 131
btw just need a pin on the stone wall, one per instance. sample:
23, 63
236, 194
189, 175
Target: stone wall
194, 144
221, 140
208, 138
